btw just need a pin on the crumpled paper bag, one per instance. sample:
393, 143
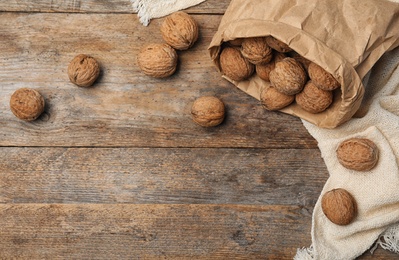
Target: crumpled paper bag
345, 37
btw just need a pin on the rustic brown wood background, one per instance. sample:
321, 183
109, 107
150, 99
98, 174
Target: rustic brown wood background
119, 170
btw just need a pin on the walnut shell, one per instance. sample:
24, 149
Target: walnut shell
157, 60
208, 111
234, 65
358, 154
305, 62
339, 206
27, 104
236, 42
272, 100
288, 77
83, 70
263, 71
313, 99
180, 30
322, 78
256, 50
277, 44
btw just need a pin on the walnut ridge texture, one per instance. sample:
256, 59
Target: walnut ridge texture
157, 60
358, 154
272, 100
208, 111
27, 104
288, 76
277, 44
234, 65
314, 99
83, 70
256, 50
321, 78
180, 30
339, 206
263, 70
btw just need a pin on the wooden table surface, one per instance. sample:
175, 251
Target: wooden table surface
119, 170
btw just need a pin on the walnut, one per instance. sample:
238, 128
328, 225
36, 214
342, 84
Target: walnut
277, 44
256, 50
339, 206
263, 71
180, 30
234, 65
27, 104
288, 77
158, 60
208, 111
83, 70
272, 100
358, 154
313, 99
322, 78
236, 42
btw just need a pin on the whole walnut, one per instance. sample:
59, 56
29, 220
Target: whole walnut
263, 71
27, 104
83, 70
157, 60
313, 99
322, 78
272, 100
288, 77
256, 50
234, 65
358, 154
339, 206
277, 44
208, 111
180, 30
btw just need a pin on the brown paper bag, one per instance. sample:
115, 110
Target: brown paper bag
345, 37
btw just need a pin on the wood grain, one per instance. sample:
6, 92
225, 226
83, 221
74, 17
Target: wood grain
120, 170
126, 231
98, 6
163, 175
125, 107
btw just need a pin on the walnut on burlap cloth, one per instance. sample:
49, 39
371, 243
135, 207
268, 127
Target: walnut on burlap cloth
148, 9
347, 38
376, 191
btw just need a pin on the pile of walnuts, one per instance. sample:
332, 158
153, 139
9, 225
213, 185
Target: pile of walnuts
292, 77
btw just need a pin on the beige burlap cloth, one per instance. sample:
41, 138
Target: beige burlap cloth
148, 9
376, 191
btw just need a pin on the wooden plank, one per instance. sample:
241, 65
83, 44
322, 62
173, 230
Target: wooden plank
137, 175
106, 231
125, 107
98, 6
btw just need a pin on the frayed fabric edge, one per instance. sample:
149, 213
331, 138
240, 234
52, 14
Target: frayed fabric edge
141, 8
304, 253
389, 240
149, 9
